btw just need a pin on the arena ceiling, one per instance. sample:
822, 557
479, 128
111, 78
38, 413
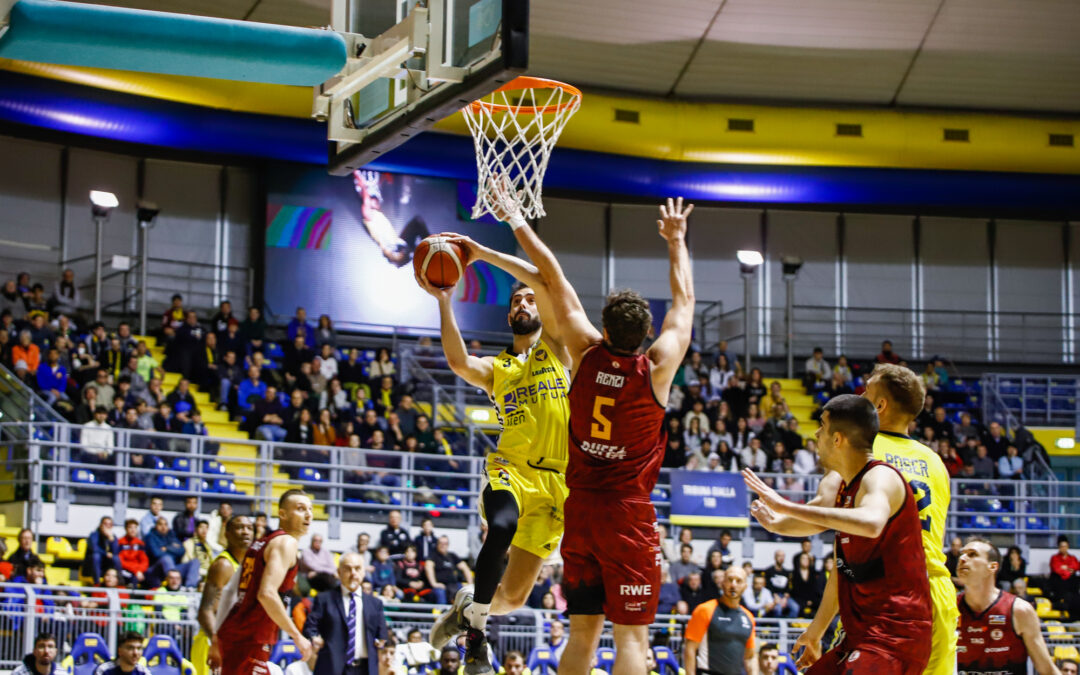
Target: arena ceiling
969, 54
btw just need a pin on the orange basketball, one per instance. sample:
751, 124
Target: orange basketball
440, 261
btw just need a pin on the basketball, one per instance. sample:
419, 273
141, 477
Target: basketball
440, 261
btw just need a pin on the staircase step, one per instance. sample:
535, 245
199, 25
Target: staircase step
226, 430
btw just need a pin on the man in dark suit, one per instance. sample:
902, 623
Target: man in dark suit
346, 626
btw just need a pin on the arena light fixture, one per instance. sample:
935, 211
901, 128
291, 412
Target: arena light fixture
749, 258
103, 202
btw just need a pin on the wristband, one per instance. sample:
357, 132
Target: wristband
516, 220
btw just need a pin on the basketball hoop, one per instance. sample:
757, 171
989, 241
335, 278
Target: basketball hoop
514, 129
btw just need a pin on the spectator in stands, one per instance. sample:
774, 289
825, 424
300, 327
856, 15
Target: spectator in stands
164, 549
754, 456
384, 397
230, 374
352, 370
96, 438
26, 351
394, 537
173, 317
426, 541
299, 325
982, 465
807, 585
102, 551
887, 355
253, 328
66, 297
759, 599
317, 565
445, 570
301, 431
44, 660
1062, 582
1012, 568
149, 519
184, 523
409, 577
778, 581
843, 369
692, 592
11, 300
929, 378
817, 370
25, 555
52, 378
953, 462
382, 367
684, 566
105, 390
323, 430
268, 414
251, 388
952, 559
966, 428
336, 400
1011, 465
943, 428
996, 442
200, 549
1019, 588
806, 459
723, 545
37, 302
382, 569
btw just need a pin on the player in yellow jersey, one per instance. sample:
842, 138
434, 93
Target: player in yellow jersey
525, 483
239, 533
898, 394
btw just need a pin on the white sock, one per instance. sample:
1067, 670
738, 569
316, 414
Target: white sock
477, 614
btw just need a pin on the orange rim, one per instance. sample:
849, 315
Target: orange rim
526, 82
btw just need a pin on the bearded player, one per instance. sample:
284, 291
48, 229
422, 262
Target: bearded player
998, 631
251, 612
525, 483
898, 394
611, 549
239, 532
882, 588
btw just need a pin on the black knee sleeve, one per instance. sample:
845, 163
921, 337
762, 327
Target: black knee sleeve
501, 513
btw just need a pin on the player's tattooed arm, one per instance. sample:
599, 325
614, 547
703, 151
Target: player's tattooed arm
478, 371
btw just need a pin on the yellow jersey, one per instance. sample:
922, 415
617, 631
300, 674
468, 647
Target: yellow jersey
929, 480
529, 394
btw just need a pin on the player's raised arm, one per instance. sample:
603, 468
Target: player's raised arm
475, 370
784, 525
1026, 623
881, 495
667, 352
577, 332
280, 557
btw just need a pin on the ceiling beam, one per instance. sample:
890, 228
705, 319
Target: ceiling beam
697, 47
918, 51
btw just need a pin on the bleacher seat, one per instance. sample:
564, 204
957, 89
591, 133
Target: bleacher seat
285, 652
163, 657
213, 466
181, 464
311, 475
85, 476
666, 663
1066, 652
605, 659
88, 651
223, 486
542, 660
60, 548
786, 665
169, 483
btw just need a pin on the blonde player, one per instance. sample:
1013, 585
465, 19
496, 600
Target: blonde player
898, 394
525, 489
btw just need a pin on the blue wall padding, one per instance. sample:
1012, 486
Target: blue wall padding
66, 107
95, 36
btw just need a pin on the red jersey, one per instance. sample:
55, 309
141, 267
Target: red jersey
617, 434
247, 623
883, 587
988, 643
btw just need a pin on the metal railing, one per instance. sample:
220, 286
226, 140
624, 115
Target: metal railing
67, 612
1032, 399
962, 335
357, 484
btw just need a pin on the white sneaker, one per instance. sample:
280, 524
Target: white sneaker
451, 622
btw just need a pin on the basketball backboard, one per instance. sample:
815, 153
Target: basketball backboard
412, 63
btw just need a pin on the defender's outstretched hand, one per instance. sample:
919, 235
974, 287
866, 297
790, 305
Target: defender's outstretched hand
768, 496
673, 217
506, 206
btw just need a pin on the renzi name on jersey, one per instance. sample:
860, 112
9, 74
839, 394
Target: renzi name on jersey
610, 380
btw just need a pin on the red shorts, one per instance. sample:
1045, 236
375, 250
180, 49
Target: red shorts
611, 557
236, 661
841, 660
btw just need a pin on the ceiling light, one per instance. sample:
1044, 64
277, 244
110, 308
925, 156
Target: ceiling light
750, 258
102, 199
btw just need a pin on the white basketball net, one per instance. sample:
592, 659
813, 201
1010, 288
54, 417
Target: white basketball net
514, 133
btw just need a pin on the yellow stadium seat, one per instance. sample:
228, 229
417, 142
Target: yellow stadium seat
1066, 652
63, 550
1035, 592
58, 576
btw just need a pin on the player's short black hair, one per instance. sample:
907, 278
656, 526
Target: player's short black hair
128, 636
518, 285
626, 318
1062, 539
44, 637
767, 647
854, 417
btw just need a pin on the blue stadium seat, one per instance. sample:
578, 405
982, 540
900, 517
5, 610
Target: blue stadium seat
311, 475
223, 486
666, 663
83, 476
163, 657
605, 659
786, 665
285, 652
1006, 523
89, 650
169, 483
1034, 523
542, 660
274, 351
181, 464
982, 523
213, 466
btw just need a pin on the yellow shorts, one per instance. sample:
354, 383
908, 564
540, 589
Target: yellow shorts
539, 494
200, 651
946, 618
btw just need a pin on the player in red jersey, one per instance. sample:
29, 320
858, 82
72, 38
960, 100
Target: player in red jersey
998, 631
882, 584
611, 549
251, 611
